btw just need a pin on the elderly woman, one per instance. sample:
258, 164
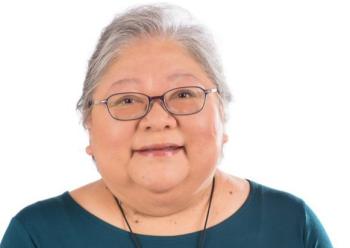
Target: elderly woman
154, 104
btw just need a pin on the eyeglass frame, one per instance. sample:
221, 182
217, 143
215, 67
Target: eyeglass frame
151, 101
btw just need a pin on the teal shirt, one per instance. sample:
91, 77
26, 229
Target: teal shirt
268, 219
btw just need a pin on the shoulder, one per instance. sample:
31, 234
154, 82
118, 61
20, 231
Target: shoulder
278, 210
286, 211
276, 198
38, 218
58, 208
250, 192
42, 210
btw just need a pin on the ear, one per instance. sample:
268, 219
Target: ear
88, 123
88, 150
221, 108
225, 138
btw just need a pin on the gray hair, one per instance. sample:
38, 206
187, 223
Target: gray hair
149, 21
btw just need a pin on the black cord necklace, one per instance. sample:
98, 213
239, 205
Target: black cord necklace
201, 240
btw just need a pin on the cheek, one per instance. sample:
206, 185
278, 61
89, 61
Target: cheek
205, 139
111, 146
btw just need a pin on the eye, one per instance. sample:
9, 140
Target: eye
183, 94
128, 100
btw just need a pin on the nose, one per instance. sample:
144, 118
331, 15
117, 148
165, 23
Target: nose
157, 118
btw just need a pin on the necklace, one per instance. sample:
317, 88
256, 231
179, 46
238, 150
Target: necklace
202, 233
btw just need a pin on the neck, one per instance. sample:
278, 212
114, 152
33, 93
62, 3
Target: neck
157, 215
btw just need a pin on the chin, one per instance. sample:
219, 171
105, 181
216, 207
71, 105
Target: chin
160, 188
159, 176
160, 183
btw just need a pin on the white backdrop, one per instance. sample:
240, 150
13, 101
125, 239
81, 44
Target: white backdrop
287, 63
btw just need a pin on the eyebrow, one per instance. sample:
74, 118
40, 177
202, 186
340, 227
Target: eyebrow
171, 77
125, 81
180, 75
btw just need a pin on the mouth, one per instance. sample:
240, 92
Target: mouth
159, 150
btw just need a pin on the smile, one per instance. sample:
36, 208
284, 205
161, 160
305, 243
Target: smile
160, 152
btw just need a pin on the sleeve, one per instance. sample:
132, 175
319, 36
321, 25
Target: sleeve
315, 235
16, 236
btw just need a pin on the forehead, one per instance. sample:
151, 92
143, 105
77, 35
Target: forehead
153, 63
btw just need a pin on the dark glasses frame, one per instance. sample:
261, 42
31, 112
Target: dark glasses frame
151, 100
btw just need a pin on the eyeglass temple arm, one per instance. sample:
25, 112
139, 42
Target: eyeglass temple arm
211, 90
92, 102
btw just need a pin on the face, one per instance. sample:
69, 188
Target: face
154, 66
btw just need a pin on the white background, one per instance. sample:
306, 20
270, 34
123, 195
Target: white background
287, 63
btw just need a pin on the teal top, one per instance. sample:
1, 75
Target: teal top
268, 219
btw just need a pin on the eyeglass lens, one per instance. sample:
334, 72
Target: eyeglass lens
180, 101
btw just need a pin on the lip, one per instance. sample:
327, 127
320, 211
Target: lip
165, 149
158, 146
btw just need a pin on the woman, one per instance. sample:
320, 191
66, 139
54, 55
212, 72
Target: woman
154, 104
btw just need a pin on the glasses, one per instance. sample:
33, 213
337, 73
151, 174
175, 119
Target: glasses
128, 106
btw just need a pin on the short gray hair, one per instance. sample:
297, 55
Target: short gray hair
149, 21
